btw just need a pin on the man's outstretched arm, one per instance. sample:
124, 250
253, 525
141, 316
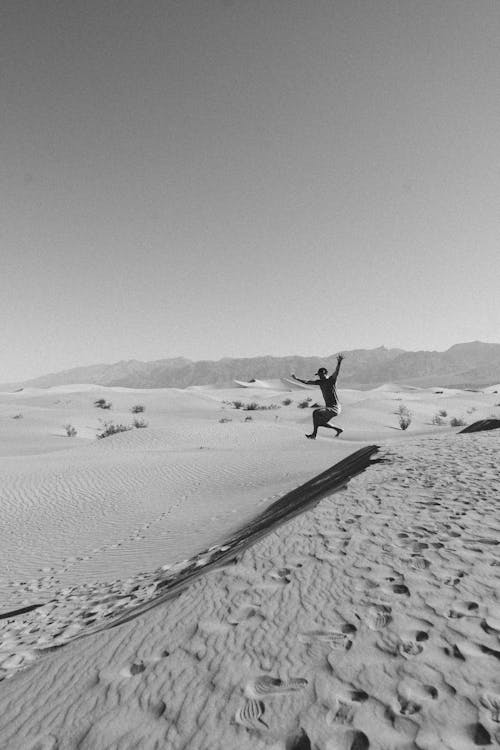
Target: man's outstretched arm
306, 382
335, 375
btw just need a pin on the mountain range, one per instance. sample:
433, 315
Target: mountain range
467, 365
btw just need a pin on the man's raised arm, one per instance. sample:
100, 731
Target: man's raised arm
335, 375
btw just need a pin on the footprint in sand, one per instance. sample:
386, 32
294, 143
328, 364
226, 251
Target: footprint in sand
410, 648
400, 588
158, 709
357, 740
245, 613
342, 714
282, 575
378, 616
479, 734
265, 685
298, 741
408, 707
250, 714
133, 669
359, 696
491, 702
321, 644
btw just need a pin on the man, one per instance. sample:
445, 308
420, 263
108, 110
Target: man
321, 417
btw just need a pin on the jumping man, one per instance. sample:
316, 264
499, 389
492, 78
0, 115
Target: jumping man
321, 417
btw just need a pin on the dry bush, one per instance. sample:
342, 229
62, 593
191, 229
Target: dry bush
457, 422
140, 423
404, 421
138, 409
109, 428
286, 401
438, 419
101, 403
70, 430
252, 406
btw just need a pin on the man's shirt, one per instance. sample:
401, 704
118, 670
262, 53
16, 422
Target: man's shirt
329, 390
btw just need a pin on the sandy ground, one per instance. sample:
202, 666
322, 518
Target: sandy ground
372, 620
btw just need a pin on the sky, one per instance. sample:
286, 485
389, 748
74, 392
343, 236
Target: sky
231, 178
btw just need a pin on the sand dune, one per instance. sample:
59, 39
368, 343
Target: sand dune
372, 620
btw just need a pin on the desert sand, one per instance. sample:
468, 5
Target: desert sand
372, 619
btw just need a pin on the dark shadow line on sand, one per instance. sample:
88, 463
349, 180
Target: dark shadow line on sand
287, 507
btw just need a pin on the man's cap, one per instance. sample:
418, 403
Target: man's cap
321, 369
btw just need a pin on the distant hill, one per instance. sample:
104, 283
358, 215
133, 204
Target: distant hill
468, 365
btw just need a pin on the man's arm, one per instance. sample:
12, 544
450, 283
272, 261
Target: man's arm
306, 382
335, 375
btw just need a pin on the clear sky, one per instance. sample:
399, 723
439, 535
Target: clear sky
219, 178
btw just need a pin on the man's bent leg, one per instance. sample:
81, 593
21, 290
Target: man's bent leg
316, 424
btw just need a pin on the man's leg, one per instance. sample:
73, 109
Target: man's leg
316, 424
321, 419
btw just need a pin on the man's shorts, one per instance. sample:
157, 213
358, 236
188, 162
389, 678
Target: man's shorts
328, 412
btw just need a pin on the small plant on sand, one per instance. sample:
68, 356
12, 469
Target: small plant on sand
101, 403
404, 416
237, 404
252, 406
248, 419
140, 423
443, 413
223, 420
17, 416
305, 403
109, 428
472, 410
457, 422
70, 430
438, 419
286, 401
138, 409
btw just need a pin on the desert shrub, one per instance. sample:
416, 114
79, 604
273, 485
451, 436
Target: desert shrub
138, 409
17, 416
437, 419
70, 430
404, 416
109, 428
457, 422
305, 403
252, 406
237, 404
101, 403
443, 413
223, 420
404, 421
286, 401
248, 419
140, 423
472, 410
